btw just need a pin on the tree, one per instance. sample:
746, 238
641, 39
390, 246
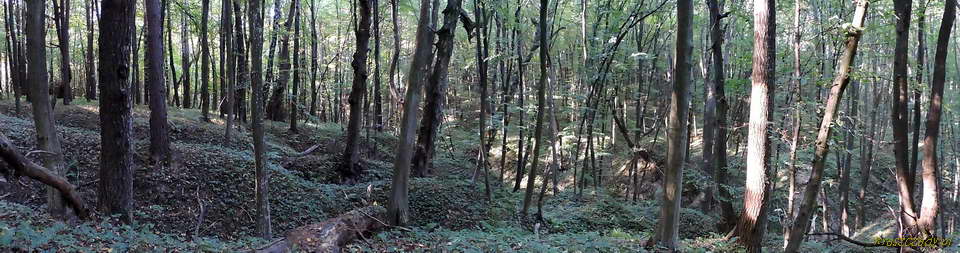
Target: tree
205, 62
159, 136
294, 107
115, 192
275, 106
43, 114
931, 179
668, 226
899, 116
62, 20
185, 61
89, 67
231, 71
751, 227
264, 229
350, 168
541, 101
398, 206
802, 222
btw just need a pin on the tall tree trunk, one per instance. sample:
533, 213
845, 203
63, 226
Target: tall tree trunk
205, 62
314, 60
802, 223
185, 61
275, 110
921, 68
931, 201
159, 137
797, 121
89, 67
436, 92
43, 114
541, 101
844, 183
255, 23
230, 74
16, 66
350, 168
866, 161
398, 207
115, 191
241, 69
716, 124
173, 70
669, 224
752, 224
377, 98
62, 20
899, 117
294, 101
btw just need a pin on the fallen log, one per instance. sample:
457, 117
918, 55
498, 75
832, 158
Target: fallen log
22, 166
330, 235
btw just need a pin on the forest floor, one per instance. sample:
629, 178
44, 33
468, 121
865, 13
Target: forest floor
204, 200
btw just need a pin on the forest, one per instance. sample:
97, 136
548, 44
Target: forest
479, 126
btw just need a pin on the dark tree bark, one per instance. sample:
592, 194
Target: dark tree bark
264, 229
436, 92
205, 62
89, 67
242, 72
802, 223
931, 179
377, 97
541, 101
294, 101
751, 226
173, 66
921, 68
275, 110
62, 20
115, 195
314, 60
398, 207
185, 61
230, 75
715, 127
350, 168
47, 139
16, 63
159, 137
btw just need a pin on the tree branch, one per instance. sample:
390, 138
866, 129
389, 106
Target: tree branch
22, 166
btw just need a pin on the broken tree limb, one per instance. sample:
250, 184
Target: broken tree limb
330, 235
308, 151
22, 166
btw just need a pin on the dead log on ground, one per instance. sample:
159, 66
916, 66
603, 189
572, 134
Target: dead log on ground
330, 235
22, 166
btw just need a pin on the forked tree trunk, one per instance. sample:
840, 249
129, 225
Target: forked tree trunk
398, 207
899, 117
931, 201
801, 225
275, 110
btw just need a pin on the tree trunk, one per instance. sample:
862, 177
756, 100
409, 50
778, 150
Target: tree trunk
313, 59
899, 118
541, 101
89, 67
262, 193
115, 195
43, 114
62, 21
669, 224
398, 206
921, 68
185, 61
242, 71
275, 110
797, 121
350, 168
931, 180
866, 161
173, 70
231, 71
159, 137
377, 98
205, 62
331, 235
802, 223
752, 224
436, 92
294, 101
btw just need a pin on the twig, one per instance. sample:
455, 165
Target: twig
851, 240
360, 210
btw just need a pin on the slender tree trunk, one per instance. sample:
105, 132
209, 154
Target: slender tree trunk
669, 224
802, 223
89, 67
313, 58
275, 110
797, 121
866, 161
173, 70
264, 229
899, 117
242, 72
43, 113
541, 101
115, 191
921, 68
350, 168
185, 61
205, 62
159, 137
931, 200
62, 20
377, 97
294, 101
398, 207
231, 71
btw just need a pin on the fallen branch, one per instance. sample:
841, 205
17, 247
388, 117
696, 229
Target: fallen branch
330, 235
22, 166
851, 240
308, 151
